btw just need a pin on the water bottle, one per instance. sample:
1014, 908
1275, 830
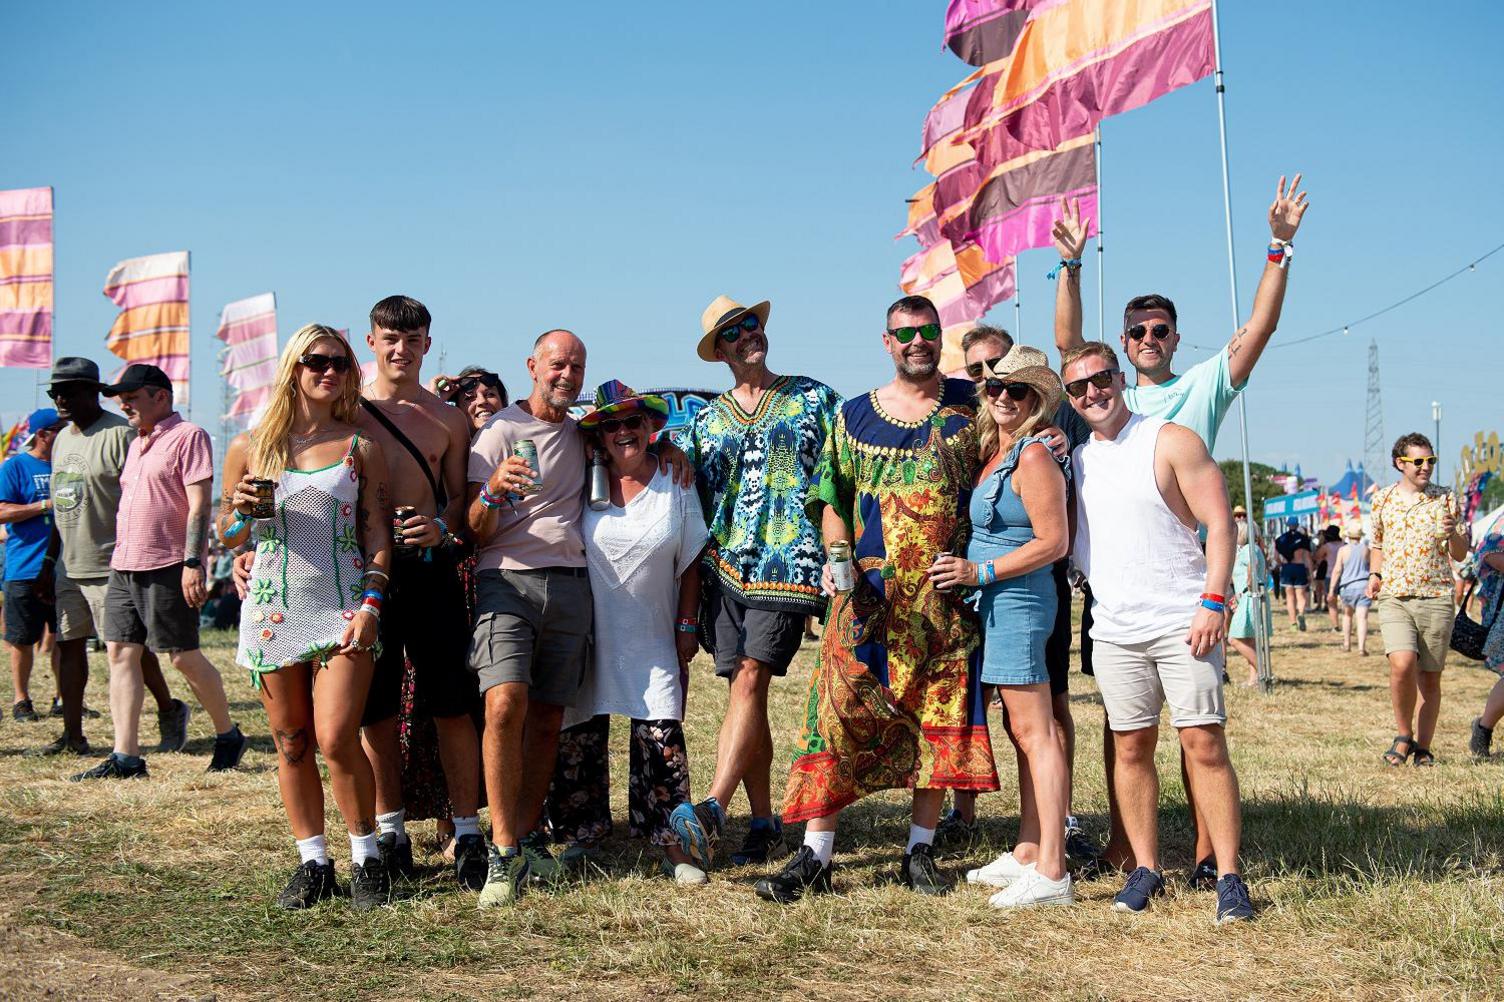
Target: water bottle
600, 484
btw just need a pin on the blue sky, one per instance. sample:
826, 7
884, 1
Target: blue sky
612, 168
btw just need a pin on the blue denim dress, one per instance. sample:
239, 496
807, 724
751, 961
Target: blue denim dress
1017, 613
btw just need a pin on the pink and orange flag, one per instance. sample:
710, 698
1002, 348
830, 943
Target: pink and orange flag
248, 327
152, 327
26, 278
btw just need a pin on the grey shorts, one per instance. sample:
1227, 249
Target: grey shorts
533, 627
80, 606
738, 632
1137, 680
148, 607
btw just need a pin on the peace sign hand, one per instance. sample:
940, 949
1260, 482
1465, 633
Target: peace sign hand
1288, 208
1069, 231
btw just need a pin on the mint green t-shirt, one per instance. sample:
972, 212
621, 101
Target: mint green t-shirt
1197, 399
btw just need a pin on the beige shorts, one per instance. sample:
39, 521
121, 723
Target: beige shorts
1137, 680
80, 606
1422, 625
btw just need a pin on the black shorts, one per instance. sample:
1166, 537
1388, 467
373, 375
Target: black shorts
148, 607
1057, 648
1086, 668
424, 619
738, 631
26, 616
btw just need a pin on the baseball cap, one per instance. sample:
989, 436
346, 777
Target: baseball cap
136, 376
39, 419
1292, 521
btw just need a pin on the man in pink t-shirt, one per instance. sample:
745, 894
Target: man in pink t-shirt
157, 570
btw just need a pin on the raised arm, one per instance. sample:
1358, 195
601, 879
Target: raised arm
1070, 241
1248, 344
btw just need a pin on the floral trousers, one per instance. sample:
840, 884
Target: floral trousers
578, 808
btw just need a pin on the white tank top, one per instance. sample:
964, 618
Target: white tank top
1145, 567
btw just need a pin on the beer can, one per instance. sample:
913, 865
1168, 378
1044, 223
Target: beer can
529, 453
842, 570
265, 505
400, 545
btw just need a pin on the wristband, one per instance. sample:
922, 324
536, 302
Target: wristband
1280, 252
1072, 264
371, 595
239, 522
489, 500
443, 529
1207, 603
986, 573
371, 611
688, 627
1214, 598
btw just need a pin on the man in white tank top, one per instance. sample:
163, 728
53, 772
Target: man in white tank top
1143, 485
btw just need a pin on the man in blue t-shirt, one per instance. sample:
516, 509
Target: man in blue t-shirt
26, 510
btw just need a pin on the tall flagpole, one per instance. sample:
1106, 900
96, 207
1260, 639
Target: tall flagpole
1259, 593
1101, 312
1018, 310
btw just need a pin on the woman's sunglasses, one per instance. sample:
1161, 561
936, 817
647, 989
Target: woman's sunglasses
1419, 461
1015, 391
748, 324
612, 425
1101, 380
322, 363
929, 332
467, 384
977, 369
1137, 331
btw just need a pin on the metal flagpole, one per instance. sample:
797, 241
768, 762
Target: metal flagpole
1259, 593
1018, 313
1101, 313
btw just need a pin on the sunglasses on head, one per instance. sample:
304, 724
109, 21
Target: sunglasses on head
1101, 380
930, 332
1425, 461
314, 362
1137, 331
631, 422
976, 370
748, 324
1015, 391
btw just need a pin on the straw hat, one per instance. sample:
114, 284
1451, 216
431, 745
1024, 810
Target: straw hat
1353, 530
1028, 365
722, 312
616, 399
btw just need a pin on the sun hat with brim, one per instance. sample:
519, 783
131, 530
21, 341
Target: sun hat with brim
1238, 509
74, 369
1028, 365
722, 313
1353, 530
617, 399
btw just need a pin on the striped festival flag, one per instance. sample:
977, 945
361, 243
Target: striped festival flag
26, 278
980, 31
152, 293
248, 327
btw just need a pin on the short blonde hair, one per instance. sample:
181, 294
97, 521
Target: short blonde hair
1091, 349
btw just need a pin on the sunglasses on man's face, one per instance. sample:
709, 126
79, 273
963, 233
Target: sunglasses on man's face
611, 426
1137, 332
314, 362
976, 370
1015, 391
1101, 380
1419, 461
929, 332
748, 324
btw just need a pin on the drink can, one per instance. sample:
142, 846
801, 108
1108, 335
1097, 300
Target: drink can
529, 453
842, 570
400, 545
265, 505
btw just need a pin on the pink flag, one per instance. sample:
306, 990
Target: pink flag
248, 327
152, 326
26, 278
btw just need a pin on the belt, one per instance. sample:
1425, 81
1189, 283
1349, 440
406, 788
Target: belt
573, 572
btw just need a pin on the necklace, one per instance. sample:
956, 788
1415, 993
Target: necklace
299, 441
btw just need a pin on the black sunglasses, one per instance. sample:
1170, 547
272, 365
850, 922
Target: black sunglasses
314, 362
1015, 391
930, 332
977, 369
748, 324
632, 422
467, 384
1137, 331
1101, 380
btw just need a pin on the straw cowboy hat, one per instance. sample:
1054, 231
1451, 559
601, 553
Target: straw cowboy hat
616, 399
721, 314
1028, 365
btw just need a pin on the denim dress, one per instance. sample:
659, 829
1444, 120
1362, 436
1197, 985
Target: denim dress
1017, 613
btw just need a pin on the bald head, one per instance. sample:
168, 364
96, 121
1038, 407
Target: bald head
557, 339
557, 366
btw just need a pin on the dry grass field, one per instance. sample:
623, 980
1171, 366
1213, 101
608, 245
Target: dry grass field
1370, 882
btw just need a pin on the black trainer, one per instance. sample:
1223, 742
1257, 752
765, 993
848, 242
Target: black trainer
1081, 852
955, 832
1480, 742
63, 746
398, 856
57, 707
1204, 876
24, 712
228, 749
470, 864
112, 768
764, 843
370, 885
310, 883
172, 724
801, 875
920, 874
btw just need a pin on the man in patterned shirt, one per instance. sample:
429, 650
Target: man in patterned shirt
754, 450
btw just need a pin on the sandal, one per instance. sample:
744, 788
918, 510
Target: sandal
1394, 757
1423, 757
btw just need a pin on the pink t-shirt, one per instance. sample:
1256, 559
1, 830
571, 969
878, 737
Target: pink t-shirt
543, 529
151, 524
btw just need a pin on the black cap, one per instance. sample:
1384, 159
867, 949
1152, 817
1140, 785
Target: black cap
136, 376
73, 369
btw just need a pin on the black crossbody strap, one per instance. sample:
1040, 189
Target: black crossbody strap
440, 499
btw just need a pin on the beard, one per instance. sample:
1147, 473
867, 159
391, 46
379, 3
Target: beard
920, 367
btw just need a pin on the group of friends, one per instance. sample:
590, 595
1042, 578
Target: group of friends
518, 577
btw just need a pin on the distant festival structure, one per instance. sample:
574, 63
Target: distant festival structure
683, 405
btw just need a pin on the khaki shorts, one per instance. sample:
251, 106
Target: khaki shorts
1137, 680
1422, 625
80, 606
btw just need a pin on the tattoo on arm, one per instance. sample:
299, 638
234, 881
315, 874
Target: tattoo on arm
292, 744
198, 534
1237, 342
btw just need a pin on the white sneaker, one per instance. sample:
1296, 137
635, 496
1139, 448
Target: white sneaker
1032, 889
999, 873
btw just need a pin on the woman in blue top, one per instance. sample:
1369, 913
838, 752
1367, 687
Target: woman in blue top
1018, 530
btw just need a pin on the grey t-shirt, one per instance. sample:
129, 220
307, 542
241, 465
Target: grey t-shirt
86, 469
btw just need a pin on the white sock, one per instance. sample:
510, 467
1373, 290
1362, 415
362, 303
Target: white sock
823, 844
466, 826
396, 821
313, 850
920, 836
363, 849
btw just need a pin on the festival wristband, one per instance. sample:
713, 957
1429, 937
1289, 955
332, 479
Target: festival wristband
1070, 266
688, 627
443, 529
1214, 598
1280, 252
238, 523
1213, 606
370, 610
489, 500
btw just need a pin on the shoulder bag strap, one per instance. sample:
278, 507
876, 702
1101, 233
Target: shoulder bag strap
439, 497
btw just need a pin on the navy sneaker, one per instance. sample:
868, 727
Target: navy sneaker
764, 843
1142, 885
1204, 876
1232, 900
955, 832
